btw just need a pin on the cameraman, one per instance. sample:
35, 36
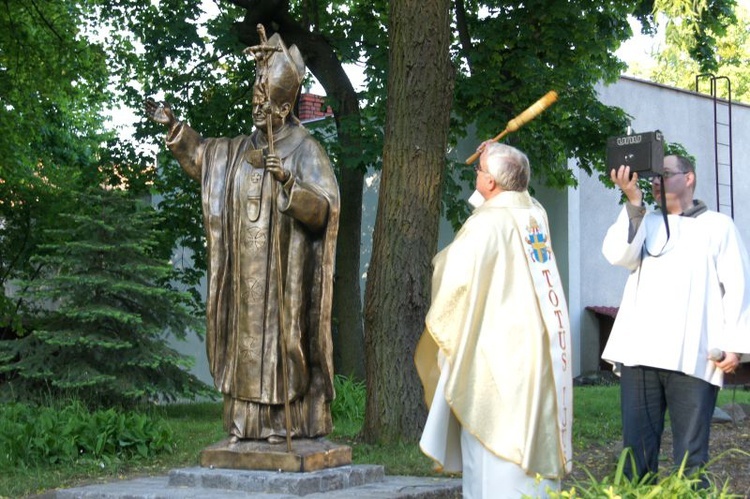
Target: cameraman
688, 293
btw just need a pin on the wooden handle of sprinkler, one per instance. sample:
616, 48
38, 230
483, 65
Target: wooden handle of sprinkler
529, 114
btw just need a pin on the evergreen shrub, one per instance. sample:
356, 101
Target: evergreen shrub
100, 313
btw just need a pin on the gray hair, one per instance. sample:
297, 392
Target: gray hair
508, 166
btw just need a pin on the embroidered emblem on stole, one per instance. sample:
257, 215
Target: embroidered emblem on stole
537, 240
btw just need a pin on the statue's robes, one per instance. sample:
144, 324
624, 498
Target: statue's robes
260, 234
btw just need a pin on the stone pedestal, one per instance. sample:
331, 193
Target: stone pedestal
345, 482
306, 455
330, 481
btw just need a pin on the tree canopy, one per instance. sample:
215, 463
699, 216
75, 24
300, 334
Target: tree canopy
55, 74
673, 64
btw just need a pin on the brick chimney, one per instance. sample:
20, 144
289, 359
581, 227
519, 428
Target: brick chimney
311, 107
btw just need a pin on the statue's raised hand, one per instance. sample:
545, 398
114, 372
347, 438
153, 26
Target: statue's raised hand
160, 112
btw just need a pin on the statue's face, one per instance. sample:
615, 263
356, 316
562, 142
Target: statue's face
264, 110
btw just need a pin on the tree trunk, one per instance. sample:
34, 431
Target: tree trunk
348, 329
348, 335
420, 85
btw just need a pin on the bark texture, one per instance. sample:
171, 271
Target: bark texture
420, 84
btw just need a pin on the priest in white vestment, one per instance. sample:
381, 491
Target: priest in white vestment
494, 359
688, 294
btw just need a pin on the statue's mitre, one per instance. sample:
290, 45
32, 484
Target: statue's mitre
285, 71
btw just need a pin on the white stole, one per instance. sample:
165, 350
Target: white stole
554, 310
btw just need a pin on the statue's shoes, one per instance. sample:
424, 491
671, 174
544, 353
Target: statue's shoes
275, 439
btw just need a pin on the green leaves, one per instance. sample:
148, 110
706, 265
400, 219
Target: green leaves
695, 27
681, 483
53, 85
37, 436
349, 404
727, 57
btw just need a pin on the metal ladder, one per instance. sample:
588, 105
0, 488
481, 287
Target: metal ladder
722, 141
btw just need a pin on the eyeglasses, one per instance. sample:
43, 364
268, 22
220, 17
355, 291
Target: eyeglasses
478, 168
668, 174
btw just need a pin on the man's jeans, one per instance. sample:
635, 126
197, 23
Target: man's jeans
645, 395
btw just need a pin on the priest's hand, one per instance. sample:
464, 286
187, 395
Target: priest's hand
273, 165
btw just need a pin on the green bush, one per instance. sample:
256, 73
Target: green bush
35, 436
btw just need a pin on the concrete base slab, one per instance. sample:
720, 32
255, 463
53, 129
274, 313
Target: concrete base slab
306, 455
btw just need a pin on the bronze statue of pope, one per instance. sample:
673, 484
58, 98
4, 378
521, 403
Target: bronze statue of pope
270, 210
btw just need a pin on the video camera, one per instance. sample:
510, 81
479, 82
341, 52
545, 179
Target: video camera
642, 152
